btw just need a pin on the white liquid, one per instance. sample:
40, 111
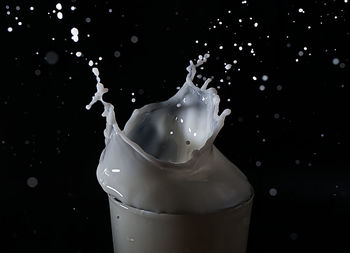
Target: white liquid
75, 32
164, 160
228, 66
59, 15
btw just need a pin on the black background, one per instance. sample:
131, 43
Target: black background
290, 137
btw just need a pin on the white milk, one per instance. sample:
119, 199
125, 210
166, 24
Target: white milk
164, 160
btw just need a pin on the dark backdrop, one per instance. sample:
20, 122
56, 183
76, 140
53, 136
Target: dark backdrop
288, 136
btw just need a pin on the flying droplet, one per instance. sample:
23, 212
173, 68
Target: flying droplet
51, 57
32, 182
228, 66
134, 39
273, 192
74, 31
59, 15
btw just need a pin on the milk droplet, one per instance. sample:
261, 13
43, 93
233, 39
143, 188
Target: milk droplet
59, 6
10, 29
262, 87
78, 54
228, 66
273, 192
95, 71
59, 15
51, 57
75, 33
265, 78
335, 61
91, 63
32, 182
134, 39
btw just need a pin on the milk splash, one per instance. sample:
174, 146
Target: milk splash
111, 123
187, 124
164, 160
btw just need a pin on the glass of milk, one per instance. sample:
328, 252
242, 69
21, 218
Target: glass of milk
169, 188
